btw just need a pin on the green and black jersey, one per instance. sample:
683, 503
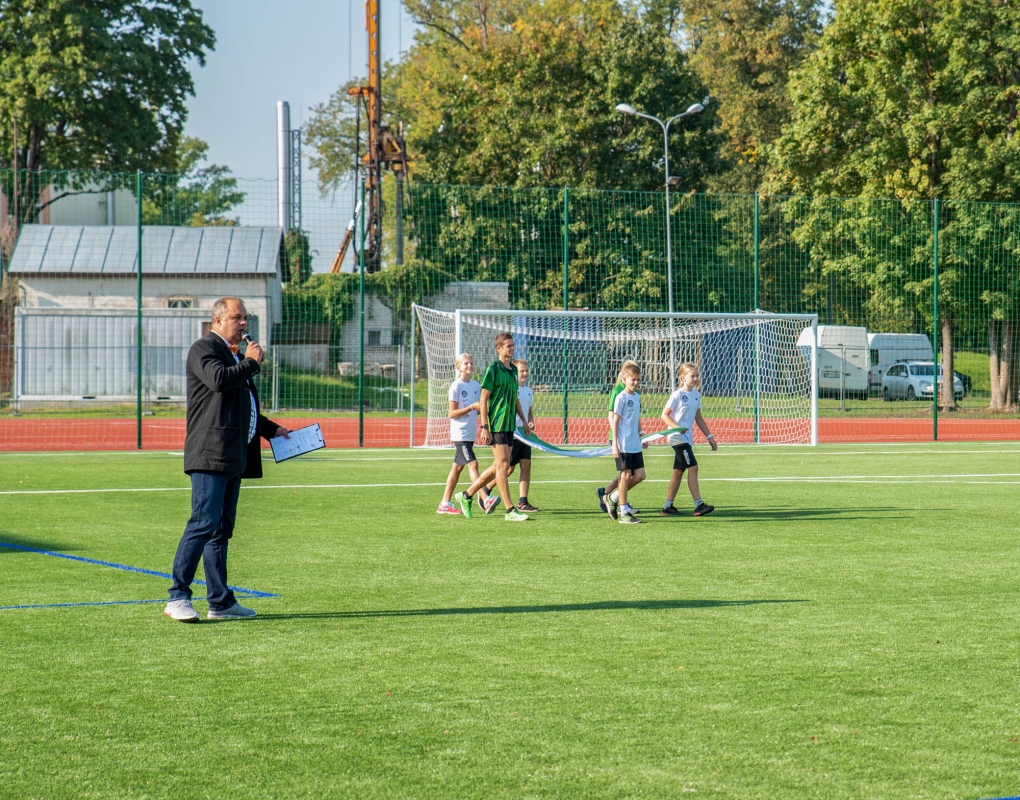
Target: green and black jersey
501, 382
612, 403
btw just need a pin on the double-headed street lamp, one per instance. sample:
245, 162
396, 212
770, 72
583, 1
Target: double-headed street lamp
694, 108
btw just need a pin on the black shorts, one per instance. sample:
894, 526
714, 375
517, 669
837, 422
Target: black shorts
463, 453
519, 452
631, 462
683, 456
502, 438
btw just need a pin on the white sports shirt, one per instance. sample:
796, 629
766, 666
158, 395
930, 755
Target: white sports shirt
464, 393
526, 396
683, 405
628, 408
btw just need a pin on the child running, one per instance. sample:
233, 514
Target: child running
627, 445
601, 492
683, 410
464, 397
498, 406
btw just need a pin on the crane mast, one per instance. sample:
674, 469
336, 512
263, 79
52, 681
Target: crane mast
385, 151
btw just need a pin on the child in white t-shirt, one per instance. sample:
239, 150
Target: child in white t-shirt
627, 444
683, 410
464, 396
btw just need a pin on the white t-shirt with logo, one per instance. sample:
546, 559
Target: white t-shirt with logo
683, 405
526, 397
464, 393
628, 408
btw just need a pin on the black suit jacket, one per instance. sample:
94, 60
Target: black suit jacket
220, 391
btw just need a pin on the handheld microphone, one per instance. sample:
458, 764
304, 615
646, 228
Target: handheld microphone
246, 337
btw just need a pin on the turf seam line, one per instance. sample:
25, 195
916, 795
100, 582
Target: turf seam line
125, 567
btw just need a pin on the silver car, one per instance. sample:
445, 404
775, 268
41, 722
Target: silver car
912, 380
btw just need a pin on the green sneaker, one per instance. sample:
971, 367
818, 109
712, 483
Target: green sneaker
515, 516
464, 503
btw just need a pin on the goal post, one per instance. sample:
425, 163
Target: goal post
758, 370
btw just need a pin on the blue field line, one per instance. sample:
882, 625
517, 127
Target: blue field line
102, 603
126, 568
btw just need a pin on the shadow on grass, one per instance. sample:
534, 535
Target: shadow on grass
757, 513
17, 543
796, 512
607, 605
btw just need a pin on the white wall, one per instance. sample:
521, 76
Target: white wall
259, 292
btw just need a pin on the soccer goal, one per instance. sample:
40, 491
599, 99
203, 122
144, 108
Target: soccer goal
758, 370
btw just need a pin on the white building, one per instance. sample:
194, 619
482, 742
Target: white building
76, 323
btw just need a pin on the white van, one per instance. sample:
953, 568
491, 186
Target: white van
888, 348
842, 359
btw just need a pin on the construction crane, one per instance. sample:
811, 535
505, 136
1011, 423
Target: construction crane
386, 150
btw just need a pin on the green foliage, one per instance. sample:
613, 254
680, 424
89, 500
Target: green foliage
907, 98
100, 85
296, 257
744, 52
333, 298
525, 95
195, 194
914, 99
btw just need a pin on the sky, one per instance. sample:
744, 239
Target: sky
300, 51
269, 50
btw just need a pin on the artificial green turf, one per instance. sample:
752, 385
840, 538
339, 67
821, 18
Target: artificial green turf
852, 638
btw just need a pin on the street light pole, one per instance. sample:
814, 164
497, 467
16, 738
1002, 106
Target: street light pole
694, 108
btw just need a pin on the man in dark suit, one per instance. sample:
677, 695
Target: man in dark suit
221, 447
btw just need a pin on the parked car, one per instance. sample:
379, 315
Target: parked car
912, 380
965, 380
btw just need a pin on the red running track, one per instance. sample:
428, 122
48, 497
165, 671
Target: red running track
27, 434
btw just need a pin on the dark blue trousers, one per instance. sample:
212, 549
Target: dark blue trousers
213, 511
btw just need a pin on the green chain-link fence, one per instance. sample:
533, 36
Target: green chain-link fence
78, 370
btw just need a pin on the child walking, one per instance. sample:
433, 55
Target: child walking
464, 396
683, 410
608, 508
627, 445
520, 453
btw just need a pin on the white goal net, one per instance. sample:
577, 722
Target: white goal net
757, 381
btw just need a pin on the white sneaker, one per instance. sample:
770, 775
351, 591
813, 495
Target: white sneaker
236, 611
181, 610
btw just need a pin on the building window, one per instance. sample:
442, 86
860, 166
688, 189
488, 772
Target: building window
374, 338
180, 302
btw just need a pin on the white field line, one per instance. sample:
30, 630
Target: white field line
445, 454
962, 478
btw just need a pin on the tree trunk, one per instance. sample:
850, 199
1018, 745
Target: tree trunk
1007, 362
995, 402
948, 399
1012, 352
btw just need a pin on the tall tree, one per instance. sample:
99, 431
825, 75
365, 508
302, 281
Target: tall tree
194, 193
524, 94
744, 52
96, 84
911, 99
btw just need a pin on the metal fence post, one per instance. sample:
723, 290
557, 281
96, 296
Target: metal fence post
413, 336
138, 193
757, 252
361, 326
935, 326
566, 305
